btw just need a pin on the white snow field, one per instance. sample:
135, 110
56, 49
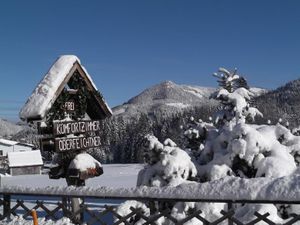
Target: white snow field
115, 175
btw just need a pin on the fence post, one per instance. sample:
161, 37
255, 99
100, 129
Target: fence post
6, 206
230, 207
75, 207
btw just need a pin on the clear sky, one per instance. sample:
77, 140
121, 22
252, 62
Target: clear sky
129, 45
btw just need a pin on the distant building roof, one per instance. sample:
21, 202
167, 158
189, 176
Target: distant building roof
12, 143
47, 91
25, 144
28, 158
8, 142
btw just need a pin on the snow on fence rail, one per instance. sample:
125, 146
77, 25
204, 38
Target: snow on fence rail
20, 204
282, 189
229, 191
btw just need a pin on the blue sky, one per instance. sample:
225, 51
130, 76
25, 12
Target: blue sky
129, 45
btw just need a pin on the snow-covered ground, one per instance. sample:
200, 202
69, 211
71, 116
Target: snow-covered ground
115, 175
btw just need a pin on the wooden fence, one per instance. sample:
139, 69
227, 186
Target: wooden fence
101, 209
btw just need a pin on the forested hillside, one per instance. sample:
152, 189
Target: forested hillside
163, 109
283, 103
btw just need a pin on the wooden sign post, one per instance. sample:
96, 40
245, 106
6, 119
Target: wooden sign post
68, 109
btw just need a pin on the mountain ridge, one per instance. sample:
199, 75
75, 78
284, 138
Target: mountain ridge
169, 96
165, 96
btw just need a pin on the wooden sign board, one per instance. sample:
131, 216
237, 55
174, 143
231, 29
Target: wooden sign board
75, 127
76, 143
75, 97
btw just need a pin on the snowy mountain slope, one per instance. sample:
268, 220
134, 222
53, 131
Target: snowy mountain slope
166, 96
28, 135
8, 128
169, 97
171, 91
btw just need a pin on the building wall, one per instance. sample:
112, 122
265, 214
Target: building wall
15, 171
5, 149
13, 148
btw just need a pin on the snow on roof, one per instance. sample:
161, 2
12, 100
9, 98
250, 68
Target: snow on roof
25, 144
28, 158
43, 96
11, 143
8, 142
40, 100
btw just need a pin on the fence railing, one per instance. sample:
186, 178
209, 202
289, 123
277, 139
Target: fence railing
100, 207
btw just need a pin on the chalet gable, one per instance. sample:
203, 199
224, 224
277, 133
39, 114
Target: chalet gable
59, 78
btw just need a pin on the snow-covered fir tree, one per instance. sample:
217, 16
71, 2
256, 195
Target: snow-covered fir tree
242, 149
228, 145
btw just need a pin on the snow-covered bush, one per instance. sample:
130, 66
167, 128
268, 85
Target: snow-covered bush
168, 165
228, 145
124, 210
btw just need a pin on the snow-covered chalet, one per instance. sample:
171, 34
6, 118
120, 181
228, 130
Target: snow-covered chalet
22, 163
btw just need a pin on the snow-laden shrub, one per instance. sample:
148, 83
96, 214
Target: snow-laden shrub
125, 208
246, 213
209, 211
168, 164
253, 151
